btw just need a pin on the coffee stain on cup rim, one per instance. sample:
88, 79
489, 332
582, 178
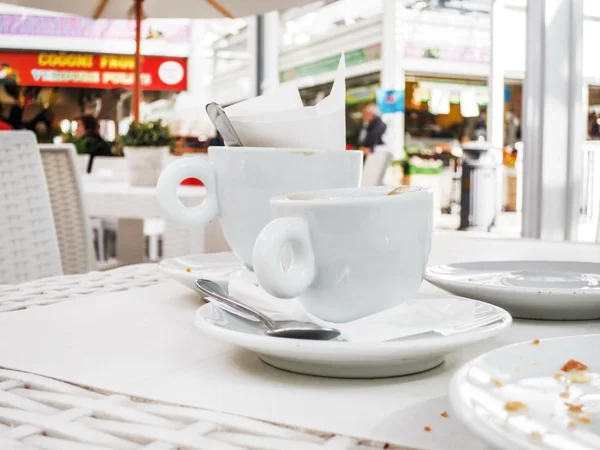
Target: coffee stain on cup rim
305, 153
401, 190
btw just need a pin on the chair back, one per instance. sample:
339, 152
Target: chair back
375, 167
28, 243
82, 162
68, 208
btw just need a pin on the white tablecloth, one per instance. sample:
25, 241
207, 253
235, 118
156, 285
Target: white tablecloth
143, 342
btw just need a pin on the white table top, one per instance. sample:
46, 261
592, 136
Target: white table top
143, 343
114, 197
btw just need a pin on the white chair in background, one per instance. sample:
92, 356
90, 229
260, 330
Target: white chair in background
110, 166
68, 207
375, 167
28, 244
82, 163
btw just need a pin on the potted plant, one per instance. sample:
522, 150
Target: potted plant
146, 147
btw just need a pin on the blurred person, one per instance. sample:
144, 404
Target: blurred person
88, 129
373, 129
481, 128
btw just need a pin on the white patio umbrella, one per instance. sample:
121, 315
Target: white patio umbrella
170, 9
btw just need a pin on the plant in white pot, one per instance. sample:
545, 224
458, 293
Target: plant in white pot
146, 147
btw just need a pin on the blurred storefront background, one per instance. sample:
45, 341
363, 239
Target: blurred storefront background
459, 65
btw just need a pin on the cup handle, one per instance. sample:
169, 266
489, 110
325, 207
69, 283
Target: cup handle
268, 252
171, 178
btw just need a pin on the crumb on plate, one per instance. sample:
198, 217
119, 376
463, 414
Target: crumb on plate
573, 408
427, 429
584, 419
536, 342
564, 394
496, 383
574, 365
514, 406
571, 424
535, 435
557, 376
188, 269
444, 415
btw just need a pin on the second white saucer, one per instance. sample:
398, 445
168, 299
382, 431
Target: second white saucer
551, 290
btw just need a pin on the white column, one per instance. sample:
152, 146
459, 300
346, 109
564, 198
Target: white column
198, 66
392, 71
253, 56
553, 119
263, 52
495, 111
271, 38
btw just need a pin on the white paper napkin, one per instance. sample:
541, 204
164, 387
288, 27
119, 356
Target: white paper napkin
279, 119
429, 312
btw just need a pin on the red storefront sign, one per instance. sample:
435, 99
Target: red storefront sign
47, 69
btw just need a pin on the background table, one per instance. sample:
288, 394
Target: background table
110, 197
143, 343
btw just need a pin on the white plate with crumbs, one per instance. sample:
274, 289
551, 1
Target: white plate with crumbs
549, 290
541, 394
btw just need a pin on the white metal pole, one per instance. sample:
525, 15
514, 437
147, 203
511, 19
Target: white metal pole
271, 37
553, 119
392, 72
495, 111
578, 121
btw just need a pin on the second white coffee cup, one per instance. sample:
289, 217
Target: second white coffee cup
355, 251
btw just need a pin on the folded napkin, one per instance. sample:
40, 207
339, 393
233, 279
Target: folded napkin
279, 119
428, 312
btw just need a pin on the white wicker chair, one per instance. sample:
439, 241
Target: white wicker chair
68, 207
28, 244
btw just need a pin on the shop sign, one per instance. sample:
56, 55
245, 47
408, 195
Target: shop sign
169, 30
361, 94
330, 64
390, 100
83, 70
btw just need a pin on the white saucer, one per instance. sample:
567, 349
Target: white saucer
480, 390
407, 355
551, 290
217, 267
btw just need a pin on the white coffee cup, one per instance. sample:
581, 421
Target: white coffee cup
355, 251
240, 181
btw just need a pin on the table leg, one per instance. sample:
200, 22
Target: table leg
131, 245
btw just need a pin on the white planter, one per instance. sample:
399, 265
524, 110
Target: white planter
145, 164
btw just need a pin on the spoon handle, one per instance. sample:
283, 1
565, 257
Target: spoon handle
223, 124
212, 289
